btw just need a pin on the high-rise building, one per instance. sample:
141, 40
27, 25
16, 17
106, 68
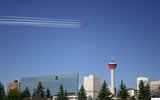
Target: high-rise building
53, 82
14, 85
92, 85
144, 79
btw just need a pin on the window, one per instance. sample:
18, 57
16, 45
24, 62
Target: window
56, 77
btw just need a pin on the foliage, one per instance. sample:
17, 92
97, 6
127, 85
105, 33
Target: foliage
39, 91
144, 91
2, 92
141, 90
147, 92
14, 94
61, 94
122, 93
104, 93
66, 95
48, 94
82, 94
26, 93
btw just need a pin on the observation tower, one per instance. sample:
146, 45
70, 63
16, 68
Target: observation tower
112, 65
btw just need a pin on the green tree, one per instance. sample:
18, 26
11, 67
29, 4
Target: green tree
144, 91
14, 94
60, 95
66, 95
26, 93
39, 91
122, 93
48, 94
141, 91
82, 94
2, 92
104, 93
147, 92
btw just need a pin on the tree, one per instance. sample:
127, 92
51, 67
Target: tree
26, 93
104, 93
14, 94
122, 93
2, 92
141, 91
82, 94
147, 92
60, 95
39, 91
48, 94
144, 91
66, 95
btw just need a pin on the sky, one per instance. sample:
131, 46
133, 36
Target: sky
128, 30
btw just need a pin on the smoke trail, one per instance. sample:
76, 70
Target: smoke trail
43, 22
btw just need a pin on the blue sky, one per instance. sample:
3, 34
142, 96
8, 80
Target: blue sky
128, 30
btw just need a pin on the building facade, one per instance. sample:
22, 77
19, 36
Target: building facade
155, 88
53, 82
92, 85
14, 85
132, 92
154, 85
144, 79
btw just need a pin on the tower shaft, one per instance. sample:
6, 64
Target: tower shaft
112, 65
112, 82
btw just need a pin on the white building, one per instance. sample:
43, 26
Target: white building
154, 84
132, 92
144, 79
92, 85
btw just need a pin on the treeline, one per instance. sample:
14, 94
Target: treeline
39, 92
15, 94
144, 93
